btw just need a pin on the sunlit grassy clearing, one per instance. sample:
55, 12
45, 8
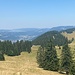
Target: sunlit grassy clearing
69, 35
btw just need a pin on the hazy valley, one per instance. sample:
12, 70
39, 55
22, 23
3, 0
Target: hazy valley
28, 33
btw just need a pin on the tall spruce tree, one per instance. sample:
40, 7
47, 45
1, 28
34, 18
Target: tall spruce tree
66, 59
51, 61
47, 58
40, 57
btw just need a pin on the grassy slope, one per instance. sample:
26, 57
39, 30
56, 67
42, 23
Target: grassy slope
25, 64
69, 35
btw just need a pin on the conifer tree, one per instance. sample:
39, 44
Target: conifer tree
66, 59
14, 48
40, 57
51, 61
47, 59
2, 56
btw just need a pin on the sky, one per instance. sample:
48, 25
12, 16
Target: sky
16, 14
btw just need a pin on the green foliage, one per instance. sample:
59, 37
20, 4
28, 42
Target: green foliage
40, 56
13, 49
47, 59
66, 59
70, 41
51, 61
57, 38
1, 57
73, 69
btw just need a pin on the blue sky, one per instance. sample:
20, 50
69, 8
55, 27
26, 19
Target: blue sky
36, 13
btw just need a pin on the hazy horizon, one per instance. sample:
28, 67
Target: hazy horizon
15, 14
31, 28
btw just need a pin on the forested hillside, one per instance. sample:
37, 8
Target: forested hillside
56, 37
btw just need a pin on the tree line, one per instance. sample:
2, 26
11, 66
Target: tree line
48, 60
14, 48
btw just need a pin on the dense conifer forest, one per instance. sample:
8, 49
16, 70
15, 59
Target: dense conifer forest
14, 48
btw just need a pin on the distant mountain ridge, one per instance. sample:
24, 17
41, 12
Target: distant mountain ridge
69, 30
28, 33
60, 28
